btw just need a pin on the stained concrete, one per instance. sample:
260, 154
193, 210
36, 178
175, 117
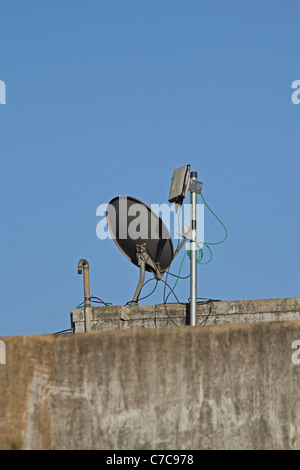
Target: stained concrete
208, 313
230, 386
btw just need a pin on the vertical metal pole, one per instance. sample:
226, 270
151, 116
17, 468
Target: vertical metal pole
193, 247
87, 298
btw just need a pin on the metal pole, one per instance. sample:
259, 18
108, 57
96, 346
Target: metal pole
87, 298
193, 252
86, 280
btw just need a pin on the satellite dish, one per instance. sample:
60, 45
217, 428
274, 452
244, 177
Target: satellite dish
141, 235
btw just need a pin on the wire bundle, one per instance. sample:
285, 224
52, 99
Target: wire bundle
187, 253
207, 244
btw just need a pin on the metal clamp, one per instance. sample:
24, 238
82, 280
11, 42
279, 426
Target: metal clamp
195, 186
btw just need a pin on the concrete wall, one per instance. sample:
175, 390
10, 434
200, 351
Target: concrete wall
209, 313
230, 386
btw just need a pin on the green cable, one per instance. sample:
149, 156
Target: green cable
226, 233
201, 251
187, 252
177, 277
211, 255
82, 304
206, 244
200, 255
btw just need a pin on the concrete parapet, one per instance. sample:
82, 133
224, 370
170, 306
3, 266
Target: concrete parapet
230, 386
209, 313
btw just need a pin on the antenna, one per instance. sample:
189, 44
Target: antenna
184, 180
195, 188
180, 184
141, 235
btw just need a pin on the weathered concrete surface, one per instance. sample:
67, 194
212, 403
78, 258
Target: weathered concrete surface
205, 387
209, 313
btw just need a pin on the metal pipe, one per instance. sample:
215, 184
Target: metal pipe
193, 253
86, 280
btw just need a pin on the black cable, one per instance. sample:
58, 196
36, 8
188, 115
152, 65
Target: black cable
207, 301
145, 297
206, 318
166, 284
148, 295
165, 300
63, 331
180, 277
164, 291
100, 301
152, 279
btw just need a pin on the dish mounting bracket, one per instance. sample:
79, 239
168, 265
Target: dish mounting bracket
144, 258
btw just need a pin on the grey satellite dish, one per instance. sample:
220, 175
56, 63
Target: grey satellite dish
141, 236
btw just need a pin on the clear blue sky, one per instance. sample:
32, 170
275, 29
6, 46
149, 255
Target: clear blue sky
107, 98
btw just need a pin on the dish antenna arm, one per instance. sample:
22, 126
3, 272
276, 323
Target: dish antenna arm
144, 258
